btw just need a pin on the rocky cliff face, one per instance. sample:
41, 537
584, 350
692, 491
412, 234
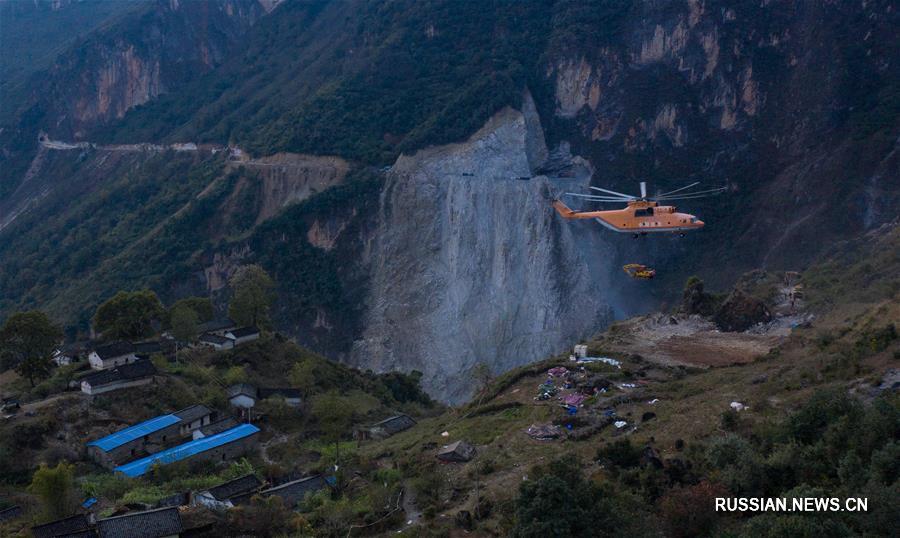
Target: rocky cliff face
791, 104
170, 44
469, 266
152, 49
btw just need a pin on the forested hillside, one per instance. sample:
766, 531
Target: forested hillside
792, 107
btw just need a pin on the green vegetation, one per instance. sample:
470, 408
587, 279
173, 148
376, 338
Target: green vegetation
129, 315
56, 488
183, 321
252, 297
433, 73
27, 340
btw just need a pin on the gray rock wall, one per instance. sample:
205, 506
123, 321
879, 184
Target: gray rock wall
470, 264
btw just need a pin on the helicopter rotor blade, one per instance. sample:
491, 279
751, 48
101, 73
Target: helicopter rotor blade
595, 198
678, 190
691, 196
712, 191
630, 197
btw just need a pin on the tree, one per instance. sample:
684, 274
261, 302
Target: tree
55, 486
303, 376
334, 414
184, 323
253, 295
202, 306
27, 340
690, 511
560, 502
129, 315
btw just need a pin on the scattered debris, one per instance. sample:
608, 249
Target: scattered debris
558, 371
544, 432
738, 406
445, 434
607, 360
620, 424
653, 401
574, 400
649, 415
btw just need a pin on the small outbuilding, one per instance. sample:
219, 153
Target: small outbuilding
387, 427
291, 397
242, 395
459, 451
220, 497
293, 492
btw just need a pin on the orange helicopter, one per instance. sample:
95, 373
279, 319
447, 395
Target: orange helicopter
642, 214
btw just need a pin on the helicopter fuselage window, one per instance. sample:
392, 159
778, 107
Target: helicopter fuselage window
648, 212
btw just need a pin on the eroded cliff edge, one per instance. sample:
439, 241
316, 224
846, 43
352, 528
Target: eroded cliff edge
469, 264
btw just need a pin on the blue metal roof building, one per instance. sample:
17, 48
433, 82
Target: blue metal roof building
131, 433
192, 448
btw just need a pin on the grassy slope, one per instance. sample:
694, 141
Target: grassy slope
691, 402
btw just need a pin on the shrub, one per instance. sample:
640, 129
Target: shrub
620, 453
690, 511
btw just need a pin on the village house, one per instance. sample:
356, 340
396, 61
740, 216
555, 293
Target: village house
126, 444
215, 427
77, 525
245, 396
193, 418
133, 374
220, 497
242, 395
219, 327
222, 446
112, 355
293, 492
291, 397
243, 335
70, 353
158, 523
386, 428
216, 341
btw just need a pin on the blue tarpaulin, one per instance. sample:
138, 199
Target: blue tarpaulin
131, 433
191, 448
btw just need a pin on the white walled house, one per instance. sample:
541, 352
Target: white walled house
244, 334
112, 355
216, 342
120, 377
242, 395
193, 418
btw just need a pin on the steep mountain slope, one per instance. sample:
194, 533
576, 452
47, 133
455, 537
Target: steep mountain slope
150, 49
792, 105
34, 33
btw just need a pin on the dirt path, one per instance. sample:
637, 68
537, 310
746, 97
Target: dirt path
264, 448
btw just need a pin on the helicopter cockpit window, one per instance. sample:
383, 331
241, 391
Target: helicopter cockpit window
647, 212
